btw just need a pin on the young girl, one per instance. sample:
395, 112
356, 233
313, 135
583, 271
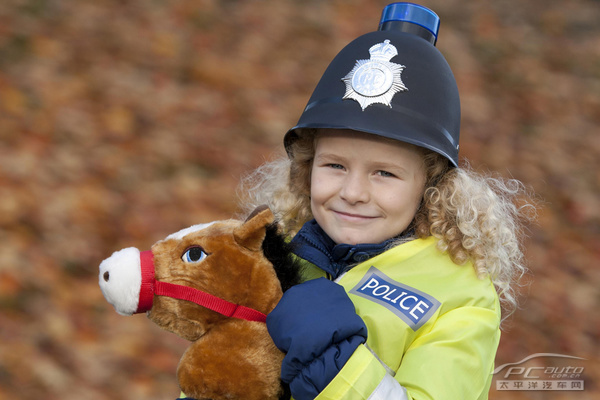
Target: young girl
408, 256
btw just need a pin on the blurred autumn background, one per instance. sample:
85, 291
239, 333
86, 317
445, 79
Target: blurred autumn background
124, 121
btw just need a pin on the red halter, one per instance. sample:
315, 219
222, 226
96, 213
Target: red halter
151, 286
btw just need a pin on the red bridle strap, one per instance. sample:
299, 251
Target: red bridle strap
207, 300
147, 285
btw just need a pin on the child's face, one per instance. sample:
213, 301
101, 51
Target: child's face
364, 189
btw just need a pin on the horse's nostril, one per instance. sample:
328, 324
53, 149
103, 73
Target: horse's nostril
106, 276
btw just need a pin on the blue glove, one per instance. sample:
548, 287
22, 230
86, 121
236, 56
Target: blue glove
316, 325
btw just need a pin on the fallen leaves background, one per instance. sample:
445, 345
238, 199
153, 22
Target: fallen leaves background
123, 121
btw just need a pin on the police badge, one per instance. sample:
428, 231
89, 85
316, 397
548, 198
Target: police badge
376, 80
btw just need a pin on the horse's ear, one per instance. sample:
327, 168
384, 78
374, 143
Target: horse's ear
252, 232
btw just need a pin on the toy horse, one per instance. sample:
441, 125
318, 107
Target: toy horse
213, 285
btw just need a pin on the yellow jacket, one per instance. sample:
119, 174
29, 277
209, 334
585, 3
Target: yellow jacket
433, 328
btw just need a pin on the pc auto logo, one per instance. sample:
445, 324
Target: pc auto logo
541, 371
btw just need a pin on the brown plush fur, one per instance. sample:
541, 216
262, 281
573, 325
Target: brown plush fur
229, 358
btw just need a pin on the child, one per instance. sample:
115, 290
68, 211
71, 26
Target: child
408, 255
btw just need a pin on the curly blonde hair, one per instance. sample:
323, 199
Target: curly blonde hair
475, 217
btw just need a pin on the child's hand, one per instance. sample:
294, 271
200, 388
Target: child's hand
316, 325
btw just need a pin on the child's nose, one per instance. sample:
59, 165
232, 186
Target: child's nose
355, 189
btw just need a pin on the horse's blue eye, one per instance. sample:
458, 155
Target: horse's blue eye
194, 254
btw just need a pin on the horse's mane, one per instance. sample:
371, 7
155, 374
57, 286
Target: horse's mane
279, 252
287, 267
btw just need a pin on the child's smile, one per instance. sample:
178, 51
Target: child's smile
364, 189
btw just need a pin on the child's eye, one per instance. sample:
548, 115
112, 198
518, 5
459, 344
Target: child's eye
194, 254
386, 174
335, 166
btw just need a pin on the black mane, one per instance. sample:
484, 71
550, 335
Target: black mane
279, 252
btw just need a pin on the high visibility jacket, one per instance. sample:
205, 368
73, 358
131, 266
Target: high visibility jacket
433, 327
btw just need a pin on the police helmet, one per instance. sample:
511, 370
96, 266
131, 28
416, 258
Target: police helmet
393, 83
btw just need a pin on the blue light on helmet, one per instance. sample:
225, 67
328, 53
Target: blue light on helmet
412, 18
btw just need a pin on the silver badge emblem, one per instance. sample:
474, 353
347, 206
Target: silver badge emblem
376, 80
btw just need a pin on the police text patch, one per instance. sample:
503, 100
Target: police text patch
411, 305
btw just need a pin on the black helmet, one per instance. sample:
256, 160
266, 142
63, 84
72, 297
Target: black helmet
393, 83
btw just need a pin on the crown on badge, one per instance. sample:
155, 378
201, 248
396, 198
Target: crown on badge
383, 51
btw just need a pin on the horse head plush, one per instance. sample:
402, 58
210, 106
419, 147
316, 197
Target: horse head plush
212, 284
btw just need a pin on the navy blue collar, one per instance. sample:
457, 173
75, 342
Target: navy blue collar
312, 244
